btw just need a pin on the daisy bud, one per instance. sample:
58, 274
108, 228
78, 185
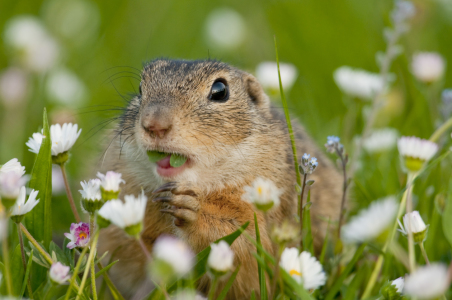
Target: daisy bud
59, 273
392, 290
415, 152
263, 193
109, 185
62, 139
12, 165
79, 235
20, 208
428, 67
369, 223
91, 195
413, 223
11, 183
127, 215
171, 257
221, 259
285, 233
303, 267
427, 282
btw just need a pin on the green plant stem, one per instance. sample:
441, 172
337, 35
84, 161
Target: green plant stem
409, 209
276, 273
69, 193
115, 292
289, 123
213, 288
424, 253
440, 131
36, 244
93, 271
88, 263
143, 247
9, 286
75, 274
344, 161
377, 268
301, 208
24, 260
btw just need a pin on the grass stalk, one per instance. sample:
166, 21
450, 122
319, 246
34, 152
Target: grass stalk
9, 285
36, 244
88, 263
24, 259
69, 194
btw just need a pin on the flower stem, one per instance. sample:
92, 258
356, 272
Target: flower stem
424, 253
440, 131
88, 263
93, 271
409, 209
301, 208
69, 193
143, 247
36, 244
24, 260
379, 263
9, 286
114, 291
344, 161
213, 288
276, 273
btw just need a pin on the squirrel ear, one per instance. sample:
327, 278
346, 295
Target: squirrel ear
256, 92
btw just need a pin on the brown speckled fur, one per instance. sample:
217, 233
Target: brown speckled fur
229, 145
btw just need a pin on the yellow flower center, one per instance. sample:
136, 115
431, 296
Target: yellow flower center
82, 235
294, 272
259, 190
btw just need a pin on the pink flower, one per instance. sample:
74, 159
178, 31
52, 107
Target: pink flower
79, 235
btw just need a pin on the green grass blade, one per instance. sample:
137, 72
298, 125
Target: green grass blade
295, 287
27, 274
338, 282
447, 216
229, 283
17, 271
253, 295
106, 268
325, 243
39, 220
261, 271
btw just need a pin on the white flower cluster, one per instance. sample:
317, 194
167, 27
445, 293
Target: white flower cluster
358, 83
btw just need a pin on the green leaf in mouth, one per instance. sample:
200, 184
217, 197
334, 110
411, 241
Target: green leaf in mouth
155, 156
177, 160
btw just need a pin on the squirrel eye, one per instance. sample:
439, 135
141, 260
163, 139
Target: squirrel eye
219, 91
140, 88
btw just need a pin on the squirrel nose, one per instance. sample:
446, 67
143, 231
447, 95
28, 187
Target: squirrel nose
156, 128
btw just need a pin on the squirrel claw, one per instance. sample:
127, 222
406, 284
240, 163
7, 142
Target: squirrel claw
167, 187
162, 199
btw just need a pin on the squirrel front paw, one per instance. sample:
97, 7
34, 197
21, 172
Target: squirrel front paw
182, 202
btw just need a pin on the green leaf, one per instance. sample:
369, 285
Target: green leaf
177, 160
325, 244
59, 253
17, 271
294, 286
261, 271
201, 260
228, 284
253, 295
39, 220
447, 216
338, 282
155, 156
105, 269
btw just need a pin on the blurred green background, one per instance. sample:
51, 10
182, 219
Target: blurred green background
98, 45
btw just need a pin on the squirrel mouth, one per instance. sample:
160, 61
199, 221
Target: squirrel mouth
168, 165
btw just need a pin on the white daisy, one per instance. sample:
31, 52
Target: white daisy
110, 181
174, 252
263, 193
12, 165
91, 189
416, 151
413, 223
428, 66
59, 273
371, 222
358, 83
21, 207
62, 138
427, 282
267, 74
381, 140
304, 268
221, 257
127, 215
11, 183
399, 284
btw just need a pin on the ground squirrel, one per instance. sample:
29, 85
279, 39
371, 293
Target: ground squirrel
220, 119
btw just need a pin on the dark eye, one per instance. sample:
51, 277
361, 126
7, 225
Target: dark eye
140, 88
219, 91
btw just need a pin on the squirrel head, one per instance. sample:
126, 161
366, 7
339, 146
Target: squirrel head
204, 110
